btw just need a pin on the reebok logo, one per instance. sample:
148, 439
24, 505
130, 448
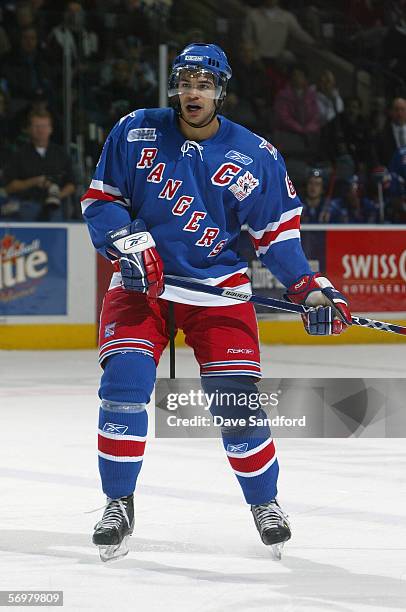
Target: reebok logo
244, 351
240, 157
134, 241
237, 448
113, 428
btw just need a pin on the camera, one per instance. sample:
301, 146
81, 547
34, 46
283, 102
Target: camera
53, 194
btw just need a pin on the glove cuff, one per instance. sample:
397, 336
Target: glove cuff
300, 290
126, 241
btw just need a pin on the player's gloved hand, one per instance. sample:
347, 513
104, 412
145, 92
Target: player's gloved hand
141, 267
329, 310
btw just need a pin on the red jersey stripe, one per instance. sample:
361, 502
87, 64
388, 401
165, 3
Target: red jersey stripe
270, 236
97, 194
235, 281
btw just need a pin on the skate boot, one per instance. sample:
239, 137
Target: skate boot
272, 525
111, 534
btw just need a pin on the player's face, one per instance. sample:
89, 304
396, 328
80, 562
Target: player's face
197, 92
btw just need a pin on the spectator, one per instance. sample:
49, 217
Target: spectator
132, 21
249, 95
397, 164
297, 115
328, 98
24, 17
330, 108
39, 102
352, 206
84, 43
40, 173
26, 70
5, 130
356, 133
131, 84
393, 135
5, 45
117, 98
314, 202
394, 43
268, 28
143, 78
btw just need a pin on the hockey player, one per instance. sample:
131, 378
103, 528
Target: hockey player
170, 193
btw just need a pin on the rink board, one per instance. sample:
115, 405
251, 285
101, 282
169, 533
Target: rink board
52, 284
47, 286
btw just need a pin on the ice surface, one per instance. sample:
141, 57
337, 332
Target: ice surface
195, 547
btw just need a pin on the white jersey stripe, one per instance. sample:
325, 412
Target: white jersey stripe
109, 189
286, 235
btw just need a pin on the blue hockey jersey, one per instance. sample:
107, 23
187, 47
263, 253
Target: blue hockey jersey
194, 197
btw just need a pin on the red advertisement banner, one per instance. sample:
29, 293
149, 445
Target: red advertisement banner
369, 267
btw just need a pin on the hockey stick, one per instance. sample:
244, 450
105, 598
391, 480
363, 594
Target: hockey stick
274, 303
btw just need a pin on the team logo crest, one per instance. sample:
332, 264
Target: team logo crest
240, 157
244, 186
141, 134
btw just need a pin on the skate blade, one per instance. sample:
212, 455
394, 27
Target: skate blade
114, 553
276, 550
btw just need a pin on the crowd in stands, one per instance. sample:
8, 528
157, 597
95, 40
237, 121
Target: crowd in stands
345, 153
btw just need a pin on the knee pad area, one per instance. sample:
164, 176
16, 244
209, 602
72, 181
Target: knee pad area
128, 378
235, 398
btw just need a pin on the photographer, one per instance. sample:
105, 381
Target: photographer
40, 174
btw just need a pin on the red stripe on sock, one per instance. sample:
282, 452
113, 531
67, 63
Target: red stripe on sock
254, 462
120, 448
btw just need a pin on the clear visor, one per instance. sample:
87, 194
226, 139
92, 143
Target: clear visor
194, 81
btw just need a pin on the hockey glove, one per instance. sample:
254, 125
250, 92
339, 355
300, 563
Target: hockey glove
329, 310
141, 267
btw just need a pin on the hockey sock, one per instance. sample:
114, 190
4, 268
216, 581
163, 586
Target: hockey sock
121, 443
125, 389
249, 446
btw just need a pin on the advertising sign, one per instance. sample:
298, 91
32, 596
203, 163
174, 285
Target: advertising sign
33, 271
369, 267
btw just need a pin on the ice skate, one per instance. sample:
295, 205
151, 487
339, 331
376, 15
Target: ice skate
272, 525
112, 533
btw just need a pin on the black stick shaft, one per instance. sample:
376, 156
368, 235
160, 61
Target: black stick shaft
172, 354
